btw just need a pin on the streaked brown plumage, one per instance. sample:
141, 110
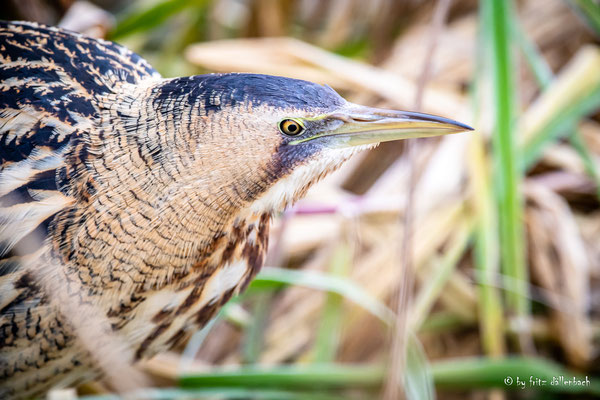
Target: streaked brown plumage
142, 204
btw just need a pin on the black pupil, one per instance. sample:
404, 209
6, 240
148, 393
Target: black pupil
292, 127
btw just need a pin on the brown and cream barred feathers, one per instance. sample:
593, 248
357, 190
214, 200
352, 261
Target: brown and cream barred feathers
129, 204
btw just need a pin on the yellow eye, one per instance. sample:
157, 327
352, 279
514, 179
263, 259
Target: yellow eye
290, 127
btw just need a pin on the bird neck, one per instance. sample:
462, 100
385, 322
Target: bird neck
169, 186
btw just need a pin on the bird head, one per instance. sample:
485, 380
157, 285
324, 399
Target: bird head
266, 139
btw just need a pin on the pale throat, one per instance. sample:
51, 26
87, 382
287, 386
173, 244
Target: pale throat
290, 188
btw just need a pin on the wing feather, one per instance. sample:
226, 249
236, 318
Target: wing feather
50, 80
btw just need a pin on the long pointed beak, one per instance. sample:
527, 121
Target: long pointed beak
365, 125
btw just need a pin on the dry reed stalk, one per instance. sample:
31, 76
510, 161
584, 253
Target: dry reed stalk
395, 385
290, 331
549, 23
298, 304
283, 55
560, 264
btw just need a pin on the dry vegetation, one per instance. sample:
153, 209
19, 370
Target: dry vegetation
343, 243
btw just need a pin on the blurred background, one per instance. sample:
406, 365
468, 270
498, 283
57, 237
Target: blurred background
479, 252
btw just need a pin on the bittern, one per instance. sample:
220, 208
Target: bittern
147, 199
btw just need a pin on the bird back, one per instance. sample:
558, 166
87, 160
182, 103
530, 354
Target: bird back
49, 81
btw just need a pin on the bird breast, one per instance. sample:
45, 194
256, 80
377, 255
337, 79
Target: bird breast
156, 320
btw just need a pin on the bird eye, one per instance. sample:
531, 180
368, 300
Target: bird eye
290, 127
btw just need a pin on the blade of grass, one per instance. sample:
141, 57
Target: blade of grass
328, 335
486, 250
442, 321
497, 16
271, 277
222, 393
488, 373
418, 381
537, 64
459, 373
232, 311
589, 11
490, 310
193, 345
442, 270
254, 332
290, 376
143, 20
